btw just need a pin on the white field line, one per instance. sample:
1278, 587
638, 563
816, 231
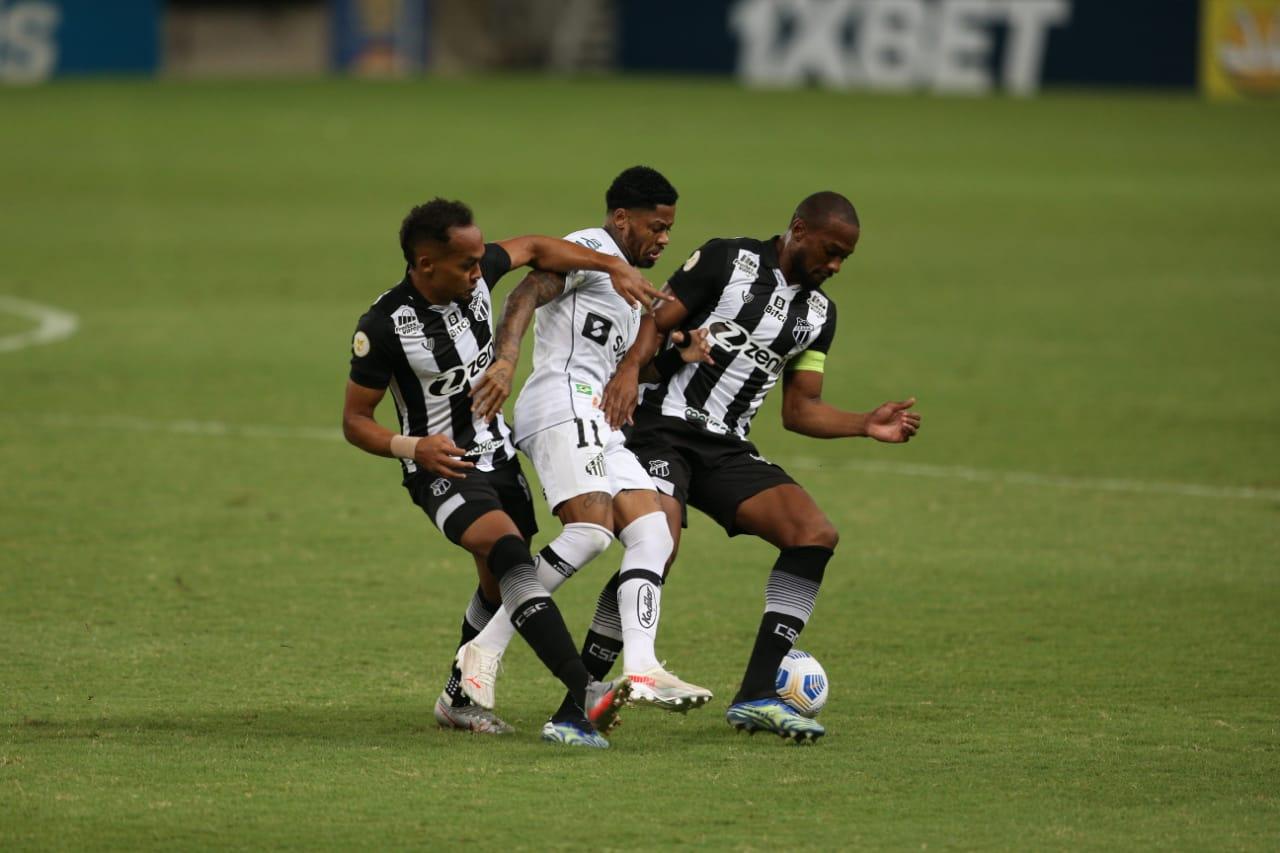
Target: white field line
804, 463
52, 324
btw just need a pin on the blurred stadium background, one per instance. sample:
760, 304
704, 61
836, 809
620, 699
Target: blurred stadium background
1052, 620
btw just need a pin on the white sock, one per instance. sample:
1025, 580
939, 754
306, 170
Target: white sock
578, 544
648, 543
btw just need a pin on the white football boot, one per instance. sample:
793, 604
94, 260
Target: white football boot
664, 690
479, 667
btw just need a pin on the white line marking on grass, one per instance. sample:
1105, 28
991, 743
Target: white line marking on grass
54, 324
806, 463
1026, 478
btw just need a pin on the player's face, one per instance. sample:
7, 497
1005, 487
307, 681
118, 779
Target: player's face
450, 270
645, 233
820, 251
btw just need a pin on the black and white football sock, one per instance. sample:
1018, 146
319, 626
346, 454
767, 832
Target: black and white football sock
479, 612
536, 616
789, 597
578, 544
604, 638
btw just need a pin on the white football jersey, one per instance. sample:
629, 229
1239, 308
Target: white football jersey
579, 338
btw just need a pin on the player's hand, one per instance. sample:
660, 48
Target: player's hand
439, 455
619, 401
634, 288
695, 346
892, 423
492, 389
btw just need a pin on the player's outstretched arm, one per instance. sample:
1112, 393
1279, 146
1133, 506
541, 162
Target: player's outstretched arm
620, 395
805, 412
548, 253
435, 453
491, 390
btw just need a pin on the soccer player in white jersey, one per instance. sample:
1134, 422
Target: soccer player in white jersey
593, 484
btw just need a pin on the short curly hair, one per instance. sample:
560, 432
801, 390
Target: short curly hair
639, 187
431, 222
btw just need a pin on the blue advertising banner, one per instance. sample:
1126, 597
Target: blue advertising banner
43, 38
956, 46
379, 37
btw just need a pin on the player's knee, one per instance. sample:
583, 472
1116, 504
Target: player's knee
591, 540
648, 540
818, 532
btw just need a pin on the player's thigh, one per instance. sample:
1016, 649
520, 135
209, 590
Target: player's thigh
499, 498
571, 465
786, 516
668, 470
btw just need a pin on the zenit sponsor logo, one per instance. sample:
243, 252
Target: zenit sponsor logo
728, 335
452, 381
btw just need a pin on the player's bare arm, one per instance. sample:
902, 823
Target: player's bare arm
550, 254
804, 411
436, 453
620, 394
491, 390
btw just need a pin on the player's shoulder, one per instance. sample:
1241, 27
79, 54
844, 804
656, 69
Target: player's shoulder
391, 300
595, 238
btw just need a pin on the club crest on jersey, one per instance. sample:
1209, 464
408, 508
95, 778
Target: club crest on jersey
818, 305
440, 486
479, 306
747, 296
406, 320
802, 331
455, 324
747, 263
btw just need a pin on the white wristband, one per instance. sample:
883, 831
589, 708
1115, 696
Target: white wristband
403, 446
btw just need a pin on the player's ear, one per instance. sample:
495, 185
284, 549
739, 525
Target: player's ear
799, 228
620, 217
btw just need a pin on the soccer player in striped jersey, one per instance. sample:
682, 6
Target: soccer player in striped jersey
592, 483
767, 315
427, 339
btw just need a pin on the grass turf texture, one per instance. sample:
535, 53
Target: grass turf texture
235, 639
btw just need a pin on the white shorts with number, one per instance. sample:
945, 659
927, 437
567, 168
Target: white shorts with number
581, 456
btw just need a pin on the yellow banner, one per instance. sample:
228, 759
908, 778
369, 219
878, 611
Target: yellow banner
1240, 48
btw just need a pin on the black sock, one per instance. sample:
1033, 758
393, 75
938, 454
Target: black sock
601, 650
535, 616
479, 612
789, 597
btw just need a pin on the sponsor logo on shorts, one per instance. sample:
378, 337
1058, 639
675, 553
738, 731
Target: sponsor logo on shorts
647, 606
440, 486
493, 445
659, 468
596, 466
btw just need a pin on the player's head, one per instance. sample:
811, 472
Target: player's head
824, 231
443, 248
640, 209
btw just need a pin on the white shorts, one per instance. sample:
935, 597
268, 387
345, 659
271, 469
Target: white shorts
581, 456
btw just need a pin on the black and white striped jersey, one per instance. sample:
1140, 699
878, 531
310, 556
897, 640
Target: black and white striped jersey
756, 321
428, 355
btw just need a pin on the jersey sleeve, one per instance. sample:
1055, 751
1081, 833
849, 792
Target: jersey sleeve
373, 352
703, 277
495, 264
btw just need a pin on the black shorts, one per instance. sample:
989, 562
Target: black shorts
712, 473
454, 505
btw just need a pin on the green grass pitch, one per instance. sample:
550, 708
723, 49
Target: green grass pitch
1052, 621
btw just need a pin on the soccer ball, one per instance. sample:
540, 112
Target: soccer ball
802, 683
